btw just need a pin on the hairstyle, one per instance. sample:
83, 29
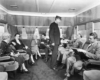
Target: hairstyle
57, 17
43, 34
65, 45
5, 36
17, 34
94, 34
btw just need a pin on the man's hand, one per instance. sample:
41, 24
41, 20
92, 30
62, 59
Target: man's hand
12, 54
42, 42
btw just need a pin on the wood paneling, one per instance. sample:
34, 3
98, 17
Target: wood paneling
91, 19
88, 16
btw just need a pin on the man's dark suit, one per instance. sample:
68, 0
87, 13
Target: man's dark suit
54, 35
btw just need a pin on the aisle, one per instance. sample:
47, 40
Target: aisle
40, 71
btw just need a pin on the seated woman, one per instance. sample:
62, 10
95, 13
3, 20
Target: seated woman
8, 50
44, 44
23, 50
72, 59
5, 51
34, 48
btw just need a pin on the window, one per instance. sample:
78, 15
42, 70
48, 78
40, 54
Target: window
97, 28
81, 29
1, 32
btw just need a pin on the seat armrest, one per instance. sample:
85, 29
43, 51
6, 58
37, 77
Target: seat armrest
4, 58
96, 62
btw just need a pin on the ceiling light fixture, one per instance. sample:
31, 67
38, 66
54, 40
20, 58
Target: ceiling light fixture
72, 9
14, 6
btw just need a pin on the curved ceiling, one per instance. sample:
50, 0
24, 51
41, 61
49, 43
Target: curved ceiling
50, 7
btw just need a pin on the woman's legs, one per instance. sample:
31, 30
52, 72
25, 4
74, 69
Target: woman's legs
38, 53
70, 61
21, 60
30, 55
32, 59
68, 64
23, 67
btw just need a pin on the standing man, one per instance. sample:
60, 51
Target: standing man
54, 35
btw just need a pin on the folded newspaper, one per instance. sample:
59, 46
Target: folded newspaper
82, 50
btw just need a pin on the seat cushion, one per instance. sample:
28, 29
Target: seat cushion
91, 75
10, 66
2, 68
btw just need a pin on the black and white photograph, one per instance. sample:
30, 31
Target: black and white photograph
49, 39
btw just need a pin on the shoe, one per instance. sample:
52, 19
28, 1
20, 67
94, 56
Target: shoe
32, 63
67, 74
62, 67
46, 59
66, 78
55, 69
24, 71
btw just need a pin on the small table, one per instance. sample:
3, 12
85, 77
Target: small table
3, 76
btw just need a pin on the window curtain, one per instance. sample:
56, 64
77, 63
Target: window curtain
69, 32
47, 33
36, 34
61, 33
24, 34
12, 30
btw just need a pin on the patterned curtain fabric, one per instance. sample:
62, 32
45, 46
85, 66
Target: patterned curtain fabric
36, 34
47, 33
69, 32
24, 34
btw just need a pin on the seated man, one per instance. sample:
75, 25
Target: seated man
91, 52
44, 44
76, 44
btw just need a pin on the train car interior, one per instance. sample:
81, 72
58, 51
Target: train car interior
49, 40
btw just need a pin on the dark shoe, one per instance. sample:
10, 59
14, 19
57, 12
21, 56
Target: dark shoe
32, 63
46, 59
62, 67
23, 71
55, 69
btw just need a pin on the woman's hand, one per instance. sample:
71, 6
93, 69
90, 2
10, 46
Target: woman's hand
42, 42
26, 47
12, 54
16, 55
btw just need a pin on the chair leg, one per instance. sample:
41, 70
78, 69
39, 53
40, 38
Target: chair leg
12, 74
27, 64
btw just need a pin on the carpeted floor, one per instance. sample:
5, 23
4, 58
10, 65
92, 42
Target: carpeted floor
40, 71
